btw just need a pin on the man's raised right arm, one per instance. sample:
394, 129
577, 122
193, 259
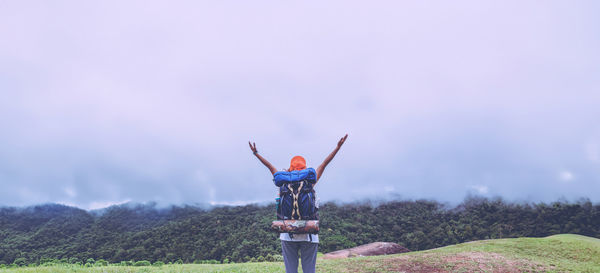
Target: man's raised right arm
262, 159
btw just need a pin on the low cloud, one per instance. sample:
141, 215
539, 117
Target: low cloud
480, 189
158, 104
566, 176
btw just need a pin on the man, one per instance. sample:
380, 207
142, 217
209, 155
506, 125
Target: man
299, 243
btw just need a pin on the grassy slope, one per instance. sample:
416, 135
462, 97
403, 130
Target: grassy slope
559, 253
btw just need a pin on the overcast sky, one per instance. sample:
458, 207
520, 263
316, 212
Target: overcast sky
105, 102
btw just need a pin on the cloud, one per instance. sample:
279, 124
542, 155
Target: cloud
70, 192
592, 151
566, 176
104, 204
156, 102
480, 189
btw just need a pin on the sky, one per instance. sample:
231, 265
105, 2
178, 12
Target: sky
108, 102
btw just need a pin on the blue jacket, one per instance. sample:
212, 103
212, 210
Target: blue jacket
308, 174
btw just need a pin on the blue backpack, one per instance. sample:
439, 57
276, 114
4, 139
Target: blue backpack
296, 195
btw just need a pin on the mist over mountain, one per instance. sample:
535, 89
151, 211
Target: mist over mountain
241, 233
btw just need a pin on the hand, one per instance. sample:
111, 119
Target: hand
341, 142
253, 148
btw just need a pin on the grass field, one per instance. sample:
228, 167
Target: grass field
558, 253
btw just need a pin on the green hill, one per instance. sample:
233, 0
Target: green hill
558, 253
135, 232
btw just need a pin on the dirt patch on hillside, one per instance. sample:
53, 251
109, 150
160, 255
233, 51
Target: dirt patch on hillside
458, 262
372, 249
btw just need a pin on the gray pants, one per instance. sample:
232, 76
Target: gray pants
308, 254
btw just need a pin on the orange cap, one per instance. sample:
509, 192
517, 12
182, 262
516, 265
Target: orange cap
298, 163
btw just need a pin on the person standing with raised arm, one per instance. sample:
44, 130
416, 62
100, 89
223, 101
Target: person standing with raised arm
304, 244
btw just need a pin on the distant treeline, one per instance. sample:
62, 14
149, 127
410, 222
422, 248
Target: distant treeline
238, 234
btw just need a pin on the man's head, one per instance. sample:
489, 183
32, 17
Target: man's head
298, 163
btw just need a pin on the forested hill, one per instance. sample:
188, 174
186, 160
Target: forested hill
144, 232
